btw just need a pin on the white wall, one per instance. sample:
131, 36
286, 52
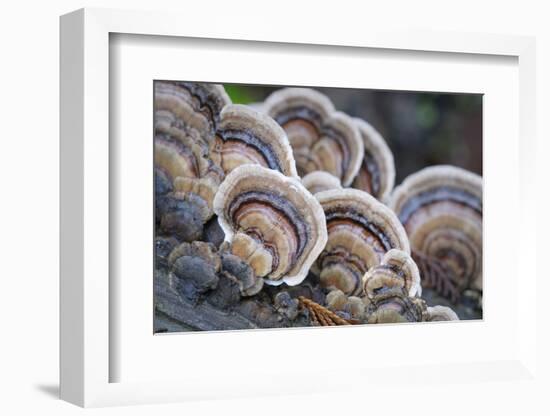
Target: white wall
29, 56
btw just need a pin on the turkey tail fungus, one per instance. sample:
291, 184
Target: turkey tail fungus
442, 211
272, 222
321, 138
360, 231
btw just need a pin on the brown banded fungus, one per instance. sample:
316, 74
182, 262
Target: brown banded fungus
272, 222
186, 119
318, 181
393, 288
377, 172
351, 307
397, 272
336, 300
397, 308
360, 231
321, 138
189, 109
246, 136
441, 210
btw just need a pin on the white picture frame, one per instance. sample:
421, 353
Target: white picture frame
87, 302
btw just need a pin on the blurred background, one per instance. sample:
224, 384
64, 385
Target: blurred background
421, 128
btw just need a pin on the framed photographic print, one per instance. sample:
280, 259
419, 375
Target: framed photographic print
275, 210
257, 214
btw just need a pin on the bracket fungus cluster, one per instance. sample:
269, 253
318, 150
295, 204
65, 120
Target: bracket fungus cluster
393, 288
396, 272
275, 215
391, 293
441, 210
186, 179
360, 231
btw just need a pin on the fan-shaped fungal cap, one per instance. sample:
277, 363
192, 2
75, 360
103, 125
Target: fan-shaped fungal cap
189, 108
355, 307
318, 181
396, 308
360, 231
336, 300
246, 136
179, 156
321, 138
183, 163
396, 273
441, 209
441, 313
272, 222
377, 172
191, 176
186, 118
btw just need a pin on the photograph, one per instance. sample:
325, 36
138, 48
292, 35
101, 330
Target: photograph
287, 207
205, 201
